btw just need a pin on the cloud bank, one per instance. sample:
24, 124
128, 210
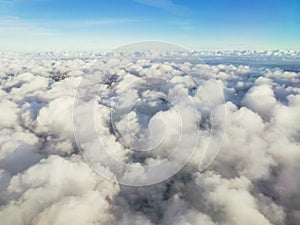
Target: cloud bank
253, 180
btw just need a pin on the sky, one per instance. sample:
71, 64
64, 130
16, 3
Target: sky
33, 25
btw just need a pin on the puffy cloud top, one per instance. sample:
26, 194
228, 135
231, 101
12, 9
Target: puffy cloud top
140, 103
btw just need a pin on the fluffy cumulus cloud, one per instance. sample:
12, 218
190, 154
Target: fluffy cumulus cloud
131, 138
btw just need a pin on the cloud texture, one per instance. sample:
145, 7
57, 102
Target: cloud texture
253, 180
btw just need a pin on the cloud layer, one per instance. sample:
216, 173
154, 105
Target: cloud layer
253, 180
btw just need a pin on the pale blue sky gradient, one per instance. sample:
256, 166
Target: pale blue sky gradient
32, 25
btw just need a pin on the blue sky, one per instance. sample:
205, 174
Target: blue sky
105, 24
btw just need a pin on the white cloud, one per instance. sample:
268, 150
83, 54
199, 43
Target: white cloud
260, 99
8, 114
44, 180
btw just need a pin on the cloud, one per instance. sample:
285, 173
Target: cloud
16, 25
167, 5
19, 26
260, 99
97, 22
9, 114
140, 101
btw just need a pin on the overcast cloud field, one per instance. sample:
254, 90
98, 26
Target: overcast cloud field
150, 137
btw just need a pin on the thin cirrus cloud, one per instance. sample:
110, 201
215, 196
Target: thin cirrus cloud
97, 22
167, 5
16, 25
195, 24
5, 6
5, 2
